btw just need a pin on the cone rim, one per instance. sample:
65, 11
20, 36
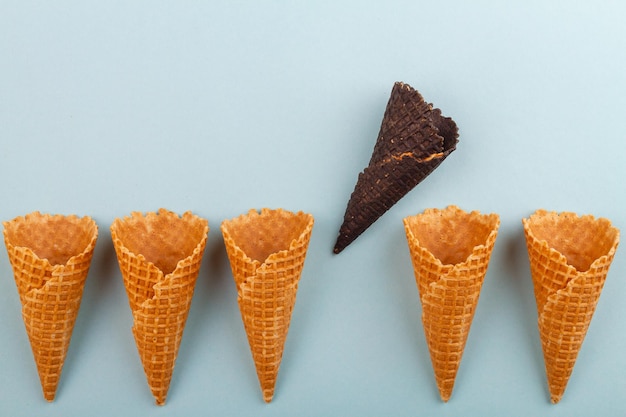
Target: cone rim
476, 249
544, 245
293, 244
137, 215
90, 223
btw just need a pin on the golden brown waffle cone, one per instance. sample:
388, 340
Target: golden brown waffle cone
159, 255
266, 252
50, 256
450, 251
569, 260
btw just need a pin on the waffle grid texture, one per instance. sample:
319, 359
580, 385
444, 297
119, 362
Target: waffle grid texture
566, 297
413, 140
160, 299
50, 292
267, 288
449, 292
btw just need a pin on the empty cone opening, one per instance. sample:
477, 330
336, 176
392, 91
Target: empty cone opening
55, 238
259, 235
162, 238
582, 240
451, 234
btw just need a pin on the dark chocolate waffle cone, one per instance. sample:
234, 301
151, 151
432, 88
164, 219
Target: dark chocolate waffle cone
266, 251
413, 140
450, 250
50, 256
159, 256
569, 258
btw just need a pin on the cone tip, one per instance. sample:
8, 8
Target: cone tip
343, 240
268, 394
556, 393
159, 396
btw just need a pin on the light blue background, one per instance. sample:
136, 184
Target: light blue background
218, 107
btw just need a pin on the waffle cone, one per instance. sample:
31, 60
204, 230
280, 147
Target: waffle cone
450, 250
569, 261
50, 256
413, 140
266, 251
159, 256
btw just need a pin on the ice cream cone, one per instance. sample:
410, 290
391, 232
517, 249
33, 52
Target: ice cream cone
413, 140
569, 258
50, 256
450, 250
266, 251
159, 256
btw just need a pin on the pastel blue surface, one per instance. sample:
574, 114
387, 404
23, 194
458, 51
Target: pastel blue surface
218, 107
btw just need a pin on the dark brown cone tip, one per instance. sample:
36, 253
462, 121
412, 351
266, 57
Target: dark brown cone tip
413, 140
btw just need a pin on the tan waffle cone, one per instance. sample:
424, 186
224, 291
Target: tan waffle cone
159, 256
50, 256
267, 252
450, 250
569, 261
